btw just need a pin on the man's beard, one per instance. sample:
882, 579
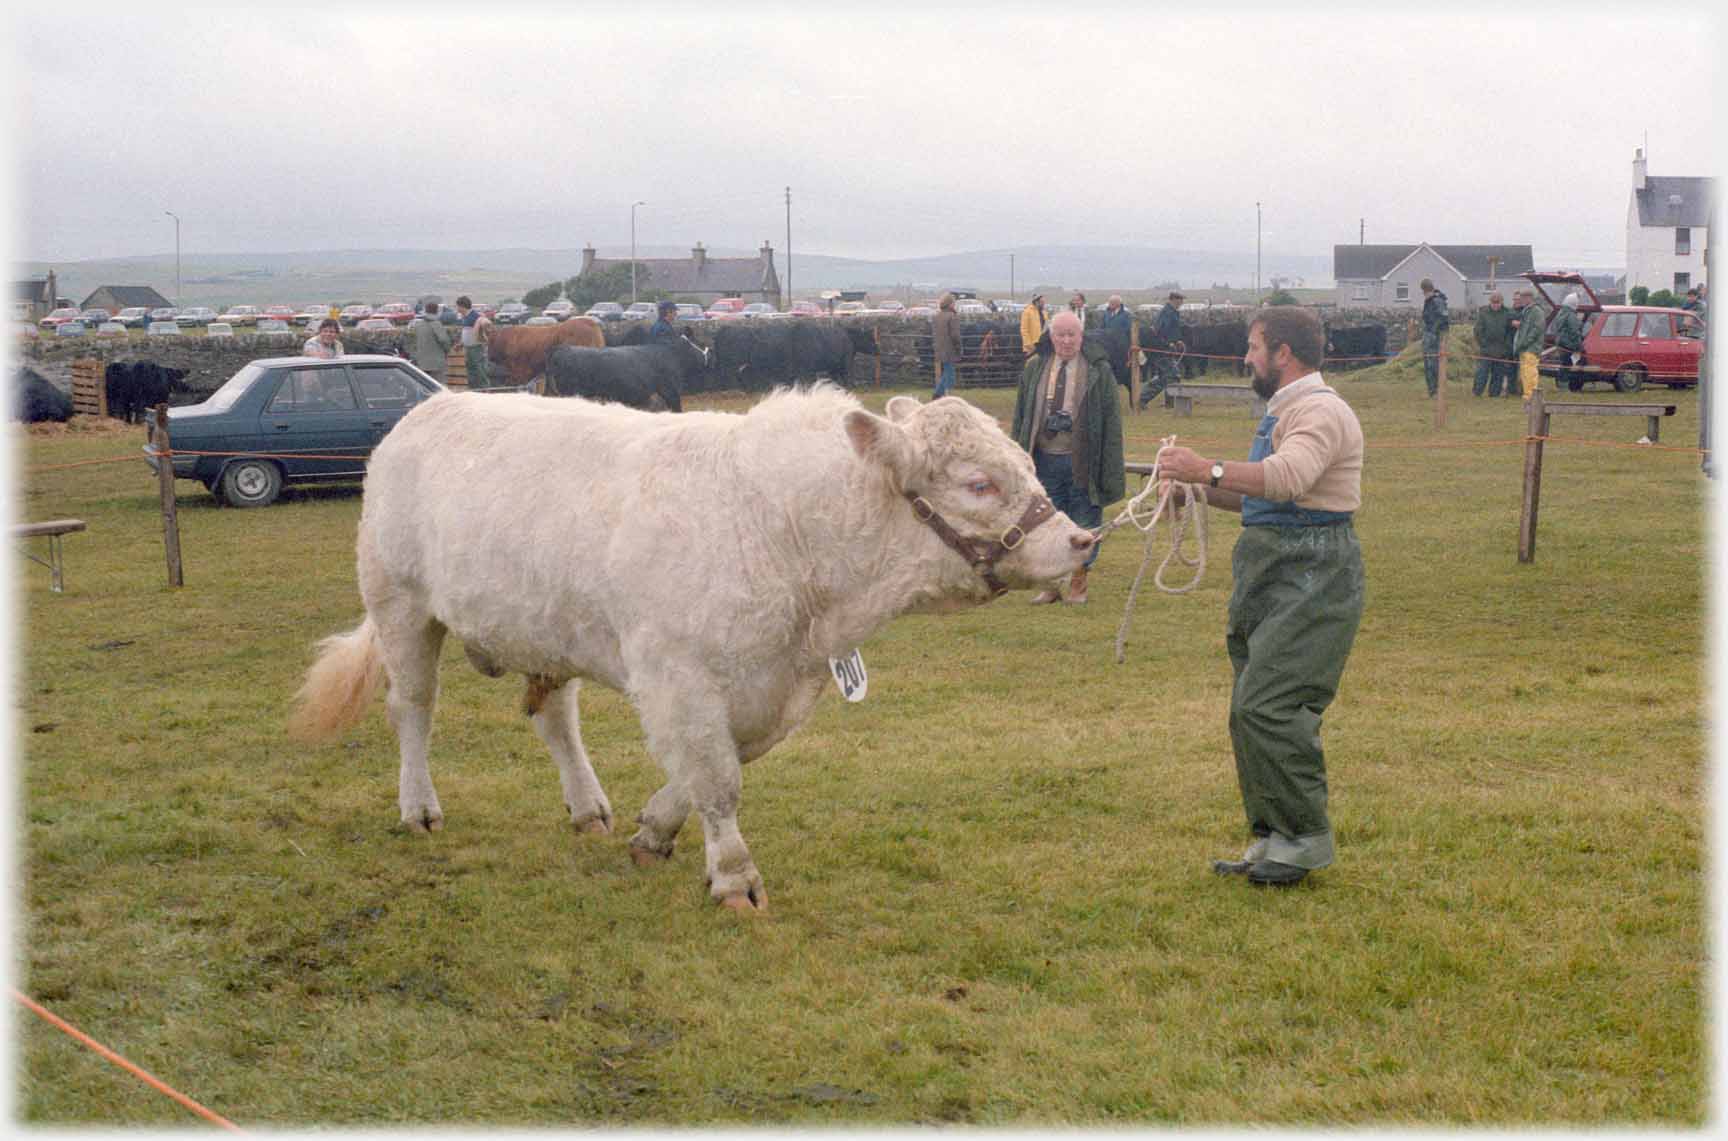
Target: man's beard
1264, 384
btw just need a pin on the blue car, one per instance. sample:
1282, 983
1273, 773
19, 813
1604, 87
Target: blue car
288, 420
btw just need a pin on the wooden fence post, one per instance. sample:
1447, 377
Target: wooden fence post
1134, 367
1536, 432
165, 481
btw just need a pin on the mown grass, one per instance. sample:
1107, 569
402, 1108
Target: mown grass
991, 900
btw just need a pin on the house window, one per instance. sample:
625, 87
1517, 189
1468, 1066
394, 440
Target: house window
1402, 292
1682, 240
1359, 292
1682, 282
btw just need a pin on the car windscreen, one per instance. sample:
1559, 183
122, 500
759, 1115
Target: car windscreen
224, 398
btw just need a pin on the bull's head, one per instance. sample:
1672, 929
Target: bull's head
962, 471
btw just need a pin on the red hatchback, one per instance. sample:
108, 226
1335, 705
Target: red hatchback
1627, 346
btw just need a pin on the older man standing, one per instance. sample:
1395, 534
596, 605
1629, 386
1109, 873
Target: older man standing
1527, 341
1117, 330
1298, 596
948, 350
1066, 414
431, 343
1493, 347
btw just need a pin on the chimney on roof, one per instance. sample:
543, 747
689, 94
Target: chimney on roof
1638, 179
767, 251
587, 258
700, 257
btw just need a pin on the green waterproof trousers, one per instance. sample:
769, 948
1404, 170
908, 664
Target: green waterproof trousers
475, 357
1293, 616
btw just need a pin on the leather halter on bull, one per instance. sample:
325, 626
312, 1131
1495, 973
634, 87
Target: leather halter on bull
983, 557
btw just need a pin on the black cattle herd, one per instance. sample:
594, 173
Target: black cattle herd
753, 356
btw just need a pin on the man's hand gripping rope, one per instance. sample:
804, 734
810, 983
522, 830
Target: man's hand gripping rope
1143, 511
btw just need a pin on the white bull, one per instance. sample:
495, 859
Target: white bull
706, 565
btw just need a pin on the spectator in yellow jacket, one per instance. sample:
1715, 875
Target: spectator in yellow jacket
1032, 324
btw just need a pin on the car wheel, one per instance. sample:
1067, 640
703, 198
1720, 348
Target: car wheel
251, 483
1629, 379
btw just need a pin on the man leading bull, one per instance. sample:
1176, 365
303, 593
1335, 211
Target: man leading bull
1298, 591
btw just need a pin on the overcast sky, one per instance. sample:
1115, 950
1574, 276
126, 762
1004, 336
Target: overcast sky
900, 129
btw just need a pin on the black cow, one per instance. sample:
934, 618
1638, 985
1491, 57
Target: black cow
136, 387
760, 354
629, 374
1222, 339
1355, 346
35, 400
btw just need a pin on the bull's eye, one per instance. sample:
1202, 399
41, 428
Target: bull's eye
981, 487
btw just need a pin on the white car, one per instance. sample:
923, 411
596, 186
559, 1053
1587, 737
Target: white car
542, 319
560, 309
757, 309
640, 311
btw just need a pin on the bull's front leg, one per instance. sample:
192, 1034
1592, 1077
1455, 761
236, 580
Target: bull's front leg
688, 734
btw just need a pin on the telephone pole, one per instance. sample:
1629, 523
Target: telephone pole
1256, 252
788, 247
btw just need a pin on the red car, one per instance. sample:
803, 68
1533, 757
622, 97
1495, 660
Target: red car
1627, 346
62, 316
725, 308
396, 312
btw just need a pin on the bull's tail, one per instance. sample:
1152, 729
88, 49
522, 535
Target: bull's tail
342, 682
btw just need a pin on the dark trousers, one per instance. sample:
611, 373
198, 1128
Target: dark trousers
1056, 473
1431, 359
1293, 616
1494, 375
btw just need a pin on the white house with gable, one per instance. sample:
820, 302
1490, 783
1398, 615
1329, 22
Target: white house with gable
1667, 225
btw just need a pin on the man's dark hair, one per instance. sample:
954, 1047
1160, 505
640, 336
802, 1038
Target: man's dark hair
329, 323
431, 308
462, 302
1294, 326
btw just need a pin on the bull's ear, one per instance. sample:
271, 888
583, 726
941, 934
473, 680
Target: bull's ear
880, 441
901, 408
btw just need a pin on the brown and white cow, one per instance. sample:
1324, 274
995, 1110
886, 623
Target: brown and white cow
708, 565
521, 350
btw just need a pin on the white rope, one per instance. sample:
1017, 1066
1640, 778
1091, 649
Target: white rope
1190, 517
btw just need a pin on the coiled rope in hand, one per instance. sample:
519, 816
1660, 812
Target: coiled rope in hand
1151, 504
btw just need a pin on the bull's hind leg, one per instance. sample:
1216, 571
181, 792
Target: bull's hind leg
689, 735
410, 647
557, 720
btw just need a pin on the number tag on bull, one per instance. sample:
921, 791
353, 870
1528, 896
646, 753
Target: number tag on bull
849, 675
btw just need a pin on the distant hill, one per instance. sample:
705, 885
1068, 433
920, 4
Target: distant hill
375, 276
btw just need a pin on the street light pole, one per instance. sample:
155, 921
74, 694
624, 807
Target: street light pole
176, 218
788, 247
1256, 252
633, 206
1010, 277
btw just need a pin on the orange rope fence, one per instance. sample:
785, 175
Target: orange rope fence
154, 1082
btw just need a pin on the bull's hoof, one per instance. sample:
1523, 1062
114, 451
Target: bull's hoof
427, 821
744, 901
594, 825
647, 858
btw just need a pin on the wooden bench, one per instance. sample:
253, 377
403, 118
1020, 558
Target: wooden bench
52, 529
1653, 413
1181, 396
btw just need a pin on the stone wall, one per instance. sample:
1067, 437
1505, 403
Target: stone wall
208, 361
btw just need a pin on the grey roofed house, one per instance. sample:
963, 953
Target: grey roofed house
33, 298
117, 297
1675, 201
700, 277
1388, 276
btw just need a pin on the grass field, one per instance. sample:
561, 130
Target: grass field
990, 884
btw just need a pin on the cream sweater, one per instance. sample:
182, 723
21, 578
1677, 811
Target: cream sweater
1316, 455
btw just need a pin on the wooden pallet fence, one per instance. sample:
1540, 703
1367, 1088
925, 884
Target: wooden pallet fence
89, 390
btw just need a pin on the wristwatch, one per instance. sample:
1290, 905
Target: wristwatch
1217, 472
